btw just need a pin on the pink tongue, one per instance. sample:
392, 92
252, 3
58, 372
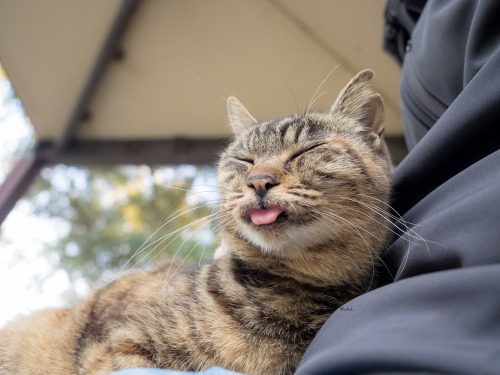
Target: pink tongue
261, 216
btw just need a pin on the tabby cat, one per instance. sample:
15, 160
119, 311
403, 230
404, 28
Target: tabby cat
303, 204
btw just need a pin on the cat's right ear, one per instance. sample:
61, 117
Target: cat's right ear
359, 102
239, 117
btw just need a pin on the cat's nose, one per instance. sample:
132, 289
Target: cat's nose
261, 183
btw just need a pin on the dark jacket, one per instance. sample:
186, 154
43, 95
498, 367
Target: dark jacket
438, 309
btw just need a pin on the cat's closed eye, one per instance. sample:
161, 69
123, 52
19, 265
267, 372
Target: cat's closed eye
245, 160
300, 153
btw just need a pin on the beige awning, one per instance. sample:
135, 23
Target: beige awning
181, 58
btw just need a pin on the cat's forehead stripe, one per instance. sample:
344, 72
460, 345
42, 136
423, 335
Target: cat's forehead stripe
270, 136
298, 132
284, 130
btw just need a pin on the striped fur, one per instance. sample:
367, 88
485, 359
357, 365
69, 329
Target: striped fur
256, 309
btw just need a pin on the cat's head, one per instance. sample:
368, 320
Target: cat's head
305, 181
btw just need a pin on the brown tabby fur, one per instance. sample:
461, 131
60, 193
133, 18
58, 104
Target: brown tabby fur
256, 309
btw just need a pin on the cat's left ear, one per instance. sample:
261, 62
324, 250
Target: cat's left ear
239, 117
358, 101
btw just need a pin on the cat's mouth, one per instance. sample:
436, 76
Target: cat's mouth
266, 216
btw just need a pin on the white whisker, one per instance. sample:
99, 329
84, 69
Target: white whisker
167, 278
161, 240
319, 87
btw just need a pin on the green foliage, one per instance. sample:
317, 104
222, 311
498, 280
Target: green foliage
126, 216
105, 219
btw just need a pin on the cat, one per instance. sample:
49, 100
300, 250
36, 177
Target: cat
304, 216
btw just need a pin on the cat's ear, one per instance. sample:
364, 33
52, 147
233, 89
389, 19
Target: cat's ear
358, 101
239, 117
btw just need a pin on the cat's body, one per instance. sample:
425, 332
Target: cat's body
302, 208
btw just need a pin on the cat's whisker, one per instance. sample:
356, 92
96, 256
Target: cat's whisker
292, 93
190, 191
205, 245
398, 219
210, 218
179, 233
378, 256
397, 214
164, 238
169, 277
319, 87
207, 223
170, 219
388, 227
356, 228
160, 241
409, 232
317, 97
144, 246
405, 261
370, 249
328, 222
383, 214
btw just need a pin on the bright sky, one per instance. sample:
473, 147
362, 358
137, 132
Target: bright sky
27, 279
23, 261
22, 234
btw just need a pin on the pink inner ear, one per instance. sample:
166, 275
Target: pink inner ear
373, 117
261, 216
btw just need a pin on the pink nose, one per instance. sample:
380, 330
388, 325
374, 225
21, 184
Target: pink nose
261, 183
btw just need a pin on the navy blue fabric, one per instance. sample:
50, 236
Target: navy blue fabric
438, 309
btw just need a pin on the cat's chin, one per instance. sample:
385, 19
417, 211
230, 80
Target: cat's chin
281, 237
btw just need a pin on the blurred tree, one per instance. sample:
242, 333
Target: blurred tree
110, 219
122, 217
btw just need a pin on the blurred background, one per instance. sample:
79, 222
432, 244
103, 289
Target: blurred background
112, 114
